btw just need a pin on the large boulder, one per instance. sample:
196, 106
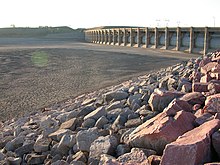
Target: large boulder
96, 114
212, 104
208, 67
42, 144
178, 105
195, 145
164, 128
216, 142
84, 138
160, 99
102, 145
136, 156
115, 95
71, 124
194, 98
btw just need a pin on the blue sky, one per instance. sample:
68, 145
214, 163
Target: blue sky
92, 13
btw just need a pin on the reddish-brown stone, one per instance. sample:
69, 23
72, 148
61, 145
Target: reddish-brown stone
212, 104
214, 88
206, 78
194, 98
195, 77
208, 67
200, 87
177, 105
204, 61
157, 132
194, 147
216, 142
216, 69
203, 118
160, 99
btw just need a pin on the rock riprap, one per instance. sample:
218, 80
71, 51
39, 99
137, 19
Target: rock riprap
171, 116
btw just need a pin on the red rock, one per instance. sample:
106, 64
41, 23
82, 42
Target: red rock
216, 142
204, 62
208, 67
200, 87
203, 118
194, 98
177, 105
215, 76
187, 87
206, 78
160, 99
195, 77
216, 69
157, 132
196, 107
212, 104
192, 148
136, 156
199, 113
214, 88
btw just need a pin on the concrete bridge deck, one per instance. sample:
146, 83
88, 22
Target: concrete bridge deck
187, 39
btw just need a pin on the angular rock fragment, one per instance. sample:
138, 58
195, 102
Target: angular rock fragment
103, 145
136, 156
194, 98
157, 132
212, 104
160, 99
195, 145
71, 124
115, 95
96, 114
216, 142
84, 138
42, 144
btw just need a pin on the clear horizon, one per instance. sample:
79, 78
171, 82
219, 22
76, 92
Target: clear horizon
88, 14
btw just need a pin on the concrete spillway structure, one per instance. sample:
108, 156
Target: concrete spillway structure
187, 39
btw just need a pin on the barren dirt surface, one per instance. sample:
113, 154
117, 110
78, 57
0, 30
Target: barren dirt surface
35, 73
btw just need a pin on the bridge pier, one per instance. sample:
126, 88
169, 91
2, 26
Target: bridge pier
206, 40
119, 37
191, 43
138, 37
125, 37
192, 40
156, 38
178, 38
167, 38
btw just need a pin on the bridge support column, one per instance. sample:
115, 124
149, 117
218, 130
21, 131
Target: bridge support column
100, 37
167, 38
119, 37
97, 36
131, 37
191, 43
125, 37
206, 40
106, 36
114, 37
109, 36
156, 39
147, 38
138, 37
103, 37
178, 38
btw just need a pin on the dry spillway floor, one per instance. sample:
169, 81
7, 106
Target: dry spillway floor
36, 74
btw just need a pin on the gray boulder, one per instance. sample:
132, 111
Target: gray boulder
84, 138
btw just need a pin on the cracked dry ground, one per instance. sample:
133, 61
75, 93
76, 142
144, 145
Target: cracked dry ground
26, 87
